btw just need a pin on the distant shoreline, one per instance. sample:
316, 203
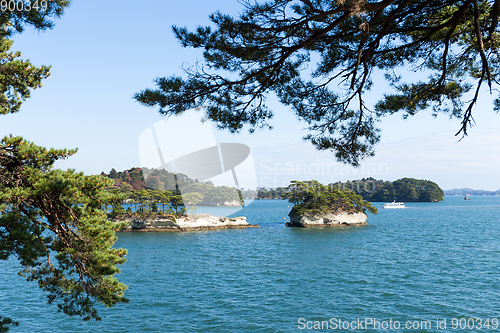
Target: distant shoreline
472, 195
469, 191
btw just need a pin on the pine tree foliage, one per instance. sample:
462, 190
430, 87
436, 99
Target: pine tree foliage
17, 76
319, 56
52, 220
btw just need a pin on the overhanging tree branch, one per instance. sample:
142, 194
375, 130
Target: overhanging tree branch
266, 48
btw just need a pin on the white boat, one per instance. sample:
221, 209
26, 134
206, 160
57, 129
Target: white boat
394, 204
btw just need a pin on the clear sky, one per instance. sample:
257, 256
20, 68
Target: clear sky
102, 52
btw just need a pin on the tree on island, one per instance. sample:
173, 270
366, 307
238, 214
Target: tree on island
131, 181
53, 221
305, 51
312, 197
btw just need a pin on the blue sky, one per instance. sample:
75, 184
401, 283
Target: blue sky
102, 52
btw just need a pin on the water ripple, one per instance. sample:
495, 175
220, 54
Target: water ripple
430, 261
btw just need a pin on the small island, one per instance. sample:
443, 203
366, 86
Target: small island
150, 210
172, 223
317, 205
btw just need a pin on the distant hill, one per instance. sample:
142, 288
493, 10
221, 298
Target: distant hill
469, 191
127, 180
141, 179
404, 189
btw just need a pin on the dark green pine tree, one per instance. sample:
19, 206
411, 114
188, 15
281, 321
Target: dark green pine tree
113, 174
52, 220
318, 57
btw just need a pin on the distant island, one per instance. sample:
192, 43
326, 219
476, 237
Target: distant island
370, 189
317, 205
148, 186
151, 200
171, 223
469, 191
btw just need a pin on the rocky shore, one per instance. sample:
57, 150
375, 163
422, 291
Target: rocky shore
311, 220
188, 223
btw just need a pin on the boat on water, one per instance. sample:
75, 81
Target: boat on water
394, 204
466, 197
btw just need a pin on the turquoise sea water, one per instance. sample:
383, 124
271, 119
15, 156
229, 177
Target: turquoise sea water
426, 262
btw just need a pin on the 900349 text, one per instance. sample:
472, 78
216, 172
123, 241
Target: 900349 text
23, 5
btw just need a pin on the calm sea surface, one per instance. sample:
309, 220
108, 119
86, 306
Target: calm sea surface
427, 262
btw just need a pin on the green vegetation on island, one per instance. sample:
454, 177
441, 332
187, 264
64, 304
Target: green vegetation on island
312, 197
147, 203
271, 193
370, 189
163, 189
404, 189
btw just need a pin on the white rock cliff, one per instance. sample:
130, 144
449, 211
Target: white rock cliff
326, 220
191, 222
